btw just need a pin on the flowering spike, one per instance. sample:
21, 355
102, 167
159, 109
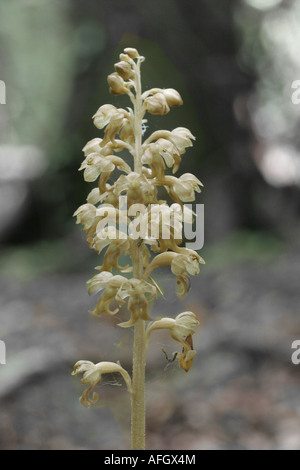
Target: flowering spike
124, 217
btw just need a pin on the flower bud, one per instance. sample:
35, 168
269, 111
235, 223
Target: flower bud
94, 196
126, 58
123, 69
133, 53
127, 133
157, 104
103, 116
92, 146
85, 215
173, 97
116, 84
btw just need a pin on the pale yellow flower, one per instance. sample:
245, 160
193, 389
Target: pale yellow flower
160, 154
113, 128
100, 280
158, 100
182, 264
182, 138
171, 145
181, 329
95, 222
85, 215
186, 186
182, 188
92, 375
104, 114
111, 117
111, 284
116, 84
163, 223
165, 227
139, 190
131, 52
137, 291
94, 165
127, 134
157, 104
168, 151
96, 146
94, 196
92, 146
118, 244
124, 69
172, 96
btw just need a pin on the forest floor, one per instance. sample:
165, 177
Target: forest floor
242, 392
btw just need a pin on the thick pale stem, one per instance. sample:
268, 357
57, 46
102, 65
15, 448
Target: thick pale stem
138, 113
138, 369
138, 387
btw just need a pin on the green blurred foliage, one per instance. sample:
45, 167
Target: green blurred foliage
37, 63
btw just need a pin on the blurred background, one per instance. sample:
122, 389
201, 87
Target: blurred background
234, 64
